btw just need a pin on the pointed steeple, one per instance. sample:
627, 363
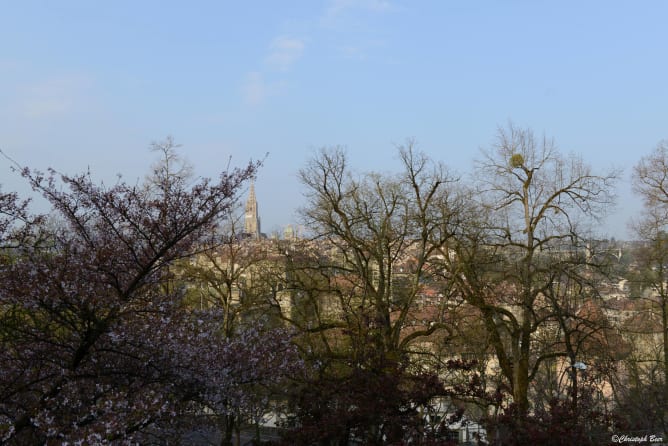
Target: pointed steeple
252, 219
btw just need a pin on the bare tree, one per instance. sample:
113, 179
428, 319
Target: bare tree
526, 235
650, 181
375, 235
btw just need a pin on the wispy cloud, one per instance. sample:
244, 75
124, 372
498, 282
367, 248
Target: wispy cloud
337, 7
7, 65
51, 98
352, 52
361, 49
285, 51
254, 88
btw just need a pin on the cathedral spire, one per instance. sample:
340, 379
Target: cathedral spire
252, 219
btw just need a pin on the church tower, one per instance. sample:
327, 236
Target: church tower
252, 219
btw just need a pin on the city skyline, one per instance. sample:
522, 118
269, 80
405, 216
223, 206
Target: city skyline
91, 85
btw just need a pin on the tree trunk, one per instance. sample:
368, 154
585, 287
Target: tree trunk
664, 326
228, 428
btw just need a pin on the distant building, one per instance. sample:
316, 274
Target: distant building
289, 233
252, 218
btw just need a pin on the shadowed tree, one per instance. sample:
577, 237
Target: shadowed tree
526, 233
360, 289
650, 182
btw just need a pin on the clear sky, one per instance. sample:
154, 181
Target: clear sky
92, 83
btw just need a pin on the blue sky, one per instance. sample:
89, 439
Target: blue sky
91, 84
